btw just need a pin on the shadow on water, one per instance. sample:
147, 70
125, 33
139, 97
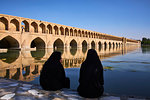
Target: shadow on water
10, 56
145, 49
38, 54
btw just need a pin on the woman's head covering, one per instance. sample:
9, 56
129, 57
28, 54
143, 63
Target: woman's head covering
55, 57
92, 57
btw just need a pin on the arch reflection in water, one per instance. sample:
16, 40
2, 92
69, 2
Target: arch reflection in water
28, 64
10, 56
38, 54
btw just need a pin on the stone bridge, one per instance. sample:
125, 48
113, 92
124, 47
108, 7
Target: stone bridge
24, 33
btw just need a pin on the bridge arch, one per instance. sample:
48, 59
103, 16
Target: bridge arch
84, 44
116, 45
37, 43
42, 28
71, 32
93, 45
58, 43
86, 35
61, 30
25, 25
89, 34
105, 45
66, 31
75, 32
9, 42
99, 45
3, 23
79, 33
73, 44
83, 35
14, 25
49, 27
56, 30
34, 27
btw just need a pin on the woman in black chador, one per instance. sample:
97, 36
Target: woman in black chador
53, 75
91, 76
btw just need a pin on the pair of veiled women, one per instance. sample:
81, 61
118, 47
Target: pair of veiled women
91, 75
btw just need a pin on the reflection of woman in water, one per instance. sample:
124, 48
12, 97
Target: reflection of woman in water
91, 76
53, 75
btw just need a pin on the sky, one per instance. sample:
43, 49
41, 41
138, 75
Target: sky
124, 18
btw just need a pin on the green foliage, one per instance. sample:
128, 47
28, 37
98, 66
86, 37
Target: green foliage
145, 41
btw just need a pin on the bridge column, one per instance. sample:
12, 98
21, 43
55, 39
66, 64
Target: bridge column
89, 45
67, 46
96, 46
79, 45
49, 45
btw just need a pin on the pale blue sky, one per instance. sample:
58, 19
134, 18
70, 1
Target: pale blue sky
125, 18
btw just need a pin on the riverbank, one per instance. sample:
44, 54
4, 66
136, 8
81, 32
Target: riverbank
18, 90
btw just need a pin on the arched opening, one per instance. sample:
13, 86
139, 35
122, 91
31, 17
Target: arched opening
75, 32
83, 34
89, 35
113, 45
66, 31
79, 33
93, 45
84, 46
3, 23
100, 46
25, 26
105, 46
34, 27
38, 54
56, 30
71, 32
49, 27
92, 36
58, 44
14, 25
9, 42
42, 28
61, 30
38, 43
73, 44
116, 45
109, 45
86, 35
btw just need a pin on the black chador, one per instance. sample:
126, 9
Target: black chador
91, 76
53, 75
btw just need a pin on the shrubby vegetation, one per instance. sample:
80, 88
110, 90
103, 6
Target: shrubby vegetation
145, 41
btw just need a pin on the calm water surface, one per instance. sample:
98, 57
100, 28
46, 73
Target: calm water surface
126, 70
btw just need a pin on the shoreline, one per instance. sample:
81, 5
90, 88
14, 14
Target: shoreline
13, 89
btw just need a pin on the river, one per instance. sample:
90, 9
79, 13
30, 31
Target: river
126, 69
